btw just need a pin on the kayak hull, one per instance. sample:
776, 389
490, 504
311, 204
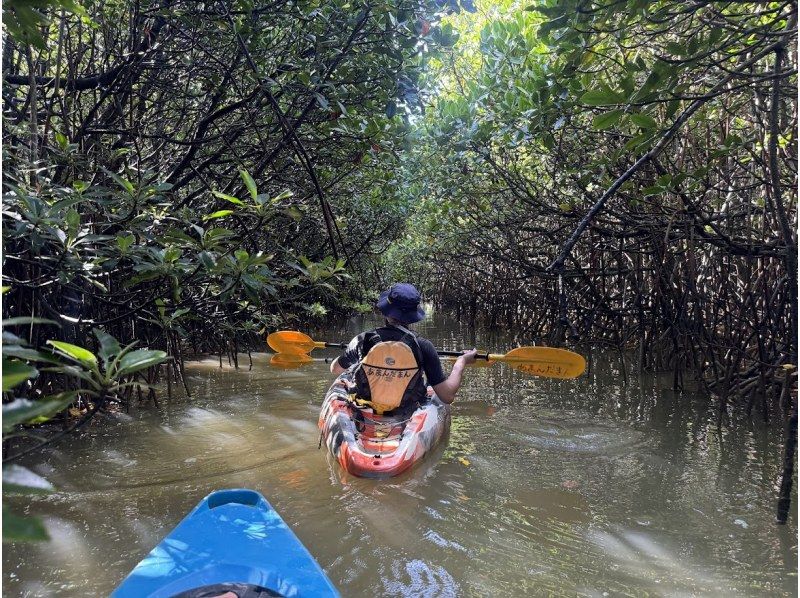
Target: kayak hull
372, 446
231, 539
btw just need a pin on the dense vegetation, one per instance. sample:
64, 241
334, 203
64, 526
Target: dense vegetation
629, 178
170, 167
619, 173
189, 175
622, 174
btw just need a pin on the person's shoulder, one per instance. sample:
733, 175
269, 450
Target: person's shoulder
358, 340
426, 345
366, 333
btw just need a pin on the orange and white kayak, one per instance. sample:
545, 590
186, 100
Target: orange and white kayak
379, 446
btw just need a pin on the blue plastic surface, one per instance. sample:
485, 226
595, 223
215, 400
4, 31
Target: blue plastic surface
230, 536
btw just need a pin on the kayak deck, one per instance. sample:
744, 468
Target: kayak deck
233, 540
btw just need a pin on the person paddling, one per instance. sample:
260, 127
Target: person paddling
383, 366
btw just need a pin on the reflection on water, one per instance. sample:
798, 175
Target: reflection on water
562, 488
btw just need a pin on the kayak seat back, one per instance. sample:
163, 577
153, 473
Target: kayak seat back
389, 369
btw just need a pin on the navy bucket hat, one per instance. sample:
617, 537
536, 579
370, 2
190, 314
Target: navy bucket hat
401, 302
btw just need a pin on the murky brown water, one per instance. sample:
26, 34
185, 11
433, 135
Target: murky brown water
583, 487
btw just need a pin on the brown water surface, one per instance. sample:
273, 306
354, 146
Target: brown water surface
562, 488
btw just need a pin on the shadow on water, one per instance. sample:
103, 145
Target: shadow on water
586, 487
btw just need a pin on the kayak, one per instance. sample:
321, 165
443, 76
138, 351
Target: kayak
369, 445
232, 541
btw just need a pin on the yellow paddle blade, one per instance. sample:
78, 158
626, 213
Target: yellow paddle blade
547, 362
482, 363
289, 361
291, 342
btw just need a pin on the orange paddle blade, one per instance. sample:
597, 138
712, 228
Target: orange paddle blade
289, 361
547, 362
292, 342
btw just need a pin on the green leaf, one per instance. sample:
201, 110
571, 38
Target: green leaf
644, 121
124, 183
607, 119
282, 195
206, 259
109, 346
321, 100
124, 242
16, 372
672, 108
140, 360
73, 370
12, 339
653, 190
229, 198
20, 411
28, 354
172, 253
218, 214
75, 353
637, 141
601, 97
652, 81
249, 183
22, 529
293, 213
21, 480
27, 320
675, 48
73, 221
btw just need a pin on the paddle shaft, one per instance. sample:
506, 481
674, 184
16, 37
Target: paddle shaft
486, 356
325, 359
324, 345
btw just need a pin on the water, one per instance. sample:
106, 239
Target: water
544, 487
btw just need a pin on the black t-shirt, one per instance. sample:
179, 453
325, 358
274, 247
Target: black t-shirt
430, 359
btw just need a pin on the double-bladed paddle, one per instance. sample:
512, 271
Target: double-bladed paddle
548, 362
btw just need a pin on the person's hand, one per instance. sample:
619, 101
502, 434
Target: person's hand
469, 356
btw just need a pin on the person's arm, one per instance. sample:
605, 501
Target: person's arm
349, 357
336, 369
447, 390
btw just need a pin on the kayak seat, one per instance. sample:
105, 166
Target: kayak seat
240, 590
376, 427
247, 498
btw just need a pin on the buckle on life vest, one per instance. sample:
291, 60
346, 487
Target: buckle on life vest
363, 404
